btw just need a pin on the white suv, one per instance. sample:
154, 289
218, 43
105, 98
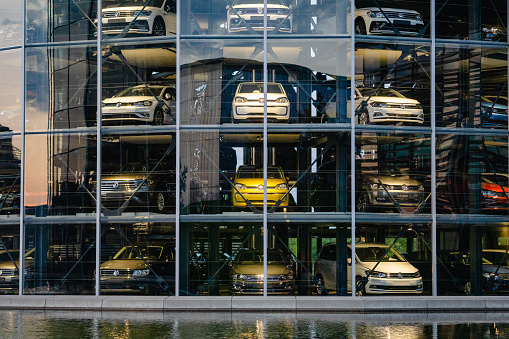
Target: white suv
379, 269
156, 17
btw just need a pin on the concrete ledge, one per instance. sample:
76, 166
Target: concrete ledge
303, 304
133, 303
254, 303
204, 303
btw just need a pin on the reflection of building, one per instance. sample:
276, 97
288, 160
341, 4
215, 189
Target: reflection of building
187, 165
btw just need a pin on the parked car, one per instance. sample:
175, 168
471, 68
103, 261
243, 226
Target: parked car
386, 19
154, 104
9, 195
157, 191
248, 187
9, 269
383, 105
155, 17
247, 272
495, 191
140, 268
248, 102
379, 270
372, 20
244, 15
493, 111
390, 188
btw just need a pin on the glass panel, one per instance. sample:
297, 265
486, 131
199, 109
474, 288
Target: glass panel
139, 85
472, 175
471, 20
9, 258
10, 29
60, 258
393, 173
396, 18
58, 171
138, 258
57, 21
393, 259
10, 177
60, 88
139, 18
393, 84
138, 174
471, 87
10, 93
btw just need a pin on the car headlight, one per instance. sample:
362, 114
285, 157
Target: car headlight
240, 186
142, 13
239, 277
489, 193
379, 104
418, 106
142, 103
376, 274
373, 14
375, 186
282, 100
420, 188
281, 186
418, 17
417, 274
240, 99
286, 277
140, 273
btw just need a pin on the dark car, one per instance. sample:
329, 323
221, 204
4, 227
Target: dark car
140, 268
390, 189
9, 195
140, 186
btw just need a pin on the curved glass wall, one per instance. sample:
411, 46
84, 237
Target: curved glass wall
337, 144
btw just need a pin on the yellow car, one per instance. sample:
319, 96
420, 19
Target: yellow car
248, 186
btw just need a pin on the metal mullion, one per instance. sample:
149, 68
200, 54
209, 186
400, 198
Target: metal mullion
177, 158
99, 154
22, 161
433, 156
265, 151
352, 144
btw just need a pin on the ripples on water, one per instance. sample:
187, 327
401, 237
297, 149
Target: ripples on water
56, 324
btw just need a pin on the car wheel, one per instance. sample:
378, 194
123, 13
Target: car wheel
362, 203
360, 288
320, 286
159, 28
364, 118
158, 117
160, 202
360, 27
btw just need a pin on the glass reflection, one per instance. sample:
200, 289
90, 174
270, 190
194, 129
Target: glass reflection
10, 94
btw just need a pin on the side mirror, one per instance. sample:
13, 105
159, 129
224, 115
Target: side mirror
349, 261
228, 7
110, 257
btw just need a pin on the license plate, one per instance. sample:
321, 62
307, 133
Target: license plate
116, 21
401, 22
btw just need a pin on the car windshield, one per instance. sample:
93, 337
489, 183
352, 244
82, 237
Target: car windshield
141, 91
136, 3
391, 171
258, 88
381, 92
258, 2
497, 258
133, 168
257, 173
257, 257
371, 3
134, 252
495, 179
14, 254
499, 101
376, 254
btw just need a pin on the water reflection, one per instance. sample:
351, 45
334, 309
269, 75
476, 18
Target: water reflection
88, 324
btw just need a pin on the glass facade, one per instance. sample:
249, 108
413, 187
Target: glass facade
254, 147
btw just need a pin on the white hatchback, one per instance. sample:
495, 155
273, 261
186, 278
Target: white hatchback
248, 103
379, 269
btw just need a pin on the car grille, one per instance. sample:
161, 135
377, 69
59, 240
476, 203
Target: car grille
260, 278
401, 188
115, 104
398, 15
119, 14
111, 273
403, 275
7, 272
396, 288
403, 106
255, 11
118, 186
